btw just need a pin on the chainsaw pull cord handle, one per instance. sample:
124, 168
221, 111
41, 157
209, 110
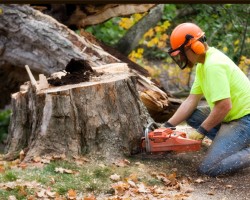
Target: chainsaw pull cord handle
147, 130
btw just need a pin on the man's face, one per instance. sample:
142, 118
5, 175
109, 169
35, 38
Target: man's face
191, 56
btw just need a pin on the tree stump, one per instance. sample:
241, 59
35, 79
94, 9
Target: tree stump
103, 117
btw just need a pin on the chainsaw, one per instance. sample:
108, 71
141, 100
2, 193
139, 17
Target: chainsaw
163, 139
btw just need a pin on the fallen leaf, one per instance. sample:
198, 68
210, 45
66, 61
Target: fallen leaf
9, 185
68, 171
50, 194
45, 161
59, 157
131, 183
158, 191
133, 177
165, 180
199, 181
2, 169
31, 197
187, 189
22, 190
59, 169
126, 161
21, 155
71, 194
36, 159
12, 197
120, 163
52, 181
90, 197
211, 193
142, 188
41, 194
120, 187
115, 177
22, 165
80, 160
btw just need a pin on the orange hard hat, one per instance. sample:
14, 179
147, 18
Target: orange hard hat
178, 36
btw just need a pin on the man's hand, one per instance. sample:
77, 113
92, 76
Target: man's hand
196, 136
168, 125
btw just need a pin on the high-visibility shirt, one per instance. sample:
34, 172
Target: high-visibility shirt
220, 78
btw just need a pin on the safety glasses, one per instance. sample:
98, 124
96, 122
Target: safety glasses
179, 55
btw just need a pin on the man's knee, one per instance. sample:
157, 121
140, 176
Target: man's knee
208, 170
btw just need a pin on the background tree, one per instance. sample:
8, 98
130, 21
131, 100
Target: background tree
226, 27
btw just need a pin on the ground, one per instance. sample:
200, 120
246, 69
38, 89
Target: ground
233, 187
166, 177
175, 176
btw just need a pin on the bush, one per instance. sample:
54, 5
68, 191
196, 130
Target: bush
4, 124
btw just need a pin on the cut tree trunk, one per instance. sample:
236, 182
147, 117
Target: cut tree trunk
103, 117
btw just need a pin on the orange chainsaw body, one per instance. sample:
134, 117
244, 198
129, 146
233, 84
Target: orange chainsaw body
166, 139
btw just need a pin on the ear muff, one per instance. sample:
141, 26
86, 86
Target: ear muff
198, 47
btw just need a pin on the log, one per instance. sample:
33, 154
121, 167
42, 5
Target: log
75, 16
102, 118
29, 37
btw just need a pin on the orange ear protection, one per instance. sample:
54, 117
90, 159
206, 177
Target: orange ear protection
198, 46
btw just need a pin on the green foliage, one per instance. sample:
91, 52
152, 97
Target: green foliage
225, 25
4, 123
108, 32
169, 12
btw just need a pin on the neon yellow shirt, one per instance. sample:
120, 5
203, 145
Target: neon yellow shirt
219, 78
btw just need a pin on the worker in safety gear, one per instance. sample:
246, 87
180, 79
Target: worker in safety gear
226, 121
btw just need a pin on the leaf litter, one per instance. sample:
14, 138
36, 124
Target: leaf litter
171, 184
128, 187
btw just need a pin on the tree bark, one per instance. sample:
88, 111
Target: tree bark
105, 116
28, 37
102, 118
76, 16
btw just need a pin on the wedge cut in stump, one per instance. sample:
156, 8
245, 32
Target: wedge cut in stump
103, 117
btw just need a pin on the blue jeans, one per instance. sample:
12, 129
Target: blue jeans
230, 150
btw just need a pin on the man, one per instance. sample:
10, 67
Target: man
227, 91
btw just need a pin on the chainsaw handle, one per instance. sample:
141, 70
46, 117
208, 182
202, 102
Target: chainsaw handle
146, 132
151, 125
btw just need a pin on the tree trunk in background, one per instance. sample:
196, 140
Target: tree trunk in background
102, 118
128, 42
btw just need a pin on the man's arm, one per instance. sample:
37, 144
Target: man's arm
185, 109
218, 113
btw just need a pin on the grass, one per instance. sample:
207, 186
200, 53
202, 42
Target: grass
87, 178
